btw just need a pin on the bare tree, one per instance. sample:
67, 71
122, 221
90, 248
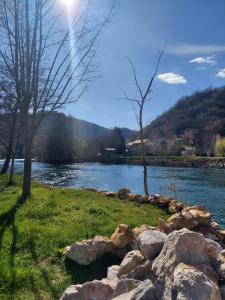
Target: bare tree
139, 102
49, 62
8, 124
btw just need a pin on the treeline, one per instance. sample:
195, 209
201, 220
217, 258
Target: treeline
58, 141
203, 112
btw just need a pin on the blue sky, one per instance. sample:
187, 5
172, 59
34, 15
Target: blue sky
194, 34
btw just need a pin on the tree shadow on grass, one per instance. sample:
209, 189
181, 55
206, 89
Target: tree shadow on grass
44, 272
96, 270
7, 221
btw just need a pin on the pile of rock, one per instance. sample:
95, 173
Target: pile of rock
195, 218
181, 265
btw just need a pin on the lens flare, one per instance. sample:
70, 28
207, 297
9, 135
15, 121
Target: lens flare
68, 3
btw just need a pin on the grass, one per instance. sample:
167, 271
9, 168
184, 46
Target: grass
33, 235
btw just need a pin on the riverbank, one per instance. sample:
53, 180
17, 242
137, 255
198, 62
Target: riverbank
181, 258
34, 234
179, 161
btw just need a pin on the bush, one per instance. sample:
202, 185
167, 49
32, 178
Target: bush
220, 148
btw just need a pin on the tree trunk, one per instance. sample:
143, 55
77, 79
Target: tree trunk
143, 154
27, 168
7, 160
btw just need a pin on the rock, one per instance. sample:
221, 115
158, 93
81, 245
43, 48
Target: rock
190, 283
141, 272
150, 243
183, 220
163, 202
208, 271
215, 225
123, 236
112, 272
111, 194
123, 193
139, 199
142, 228
175, 207
164, 227
95, 290
222, 291
125, 285
145, 291
130, 262
199, 212
87, 251
213, 249
220, 264
182, 246
112, 278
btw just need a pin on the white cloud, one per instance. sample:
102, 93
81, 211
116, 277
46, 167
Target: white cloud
204, 60
221, 73
188, 49
172, 78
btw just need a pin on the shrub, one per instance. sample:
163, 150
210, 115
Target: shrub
220, 148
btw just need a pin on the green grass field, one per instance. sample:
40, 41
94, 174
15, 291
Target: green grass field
33, 235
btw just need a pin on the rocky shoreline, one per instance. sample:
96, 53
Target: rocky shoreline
183, 258
184, 162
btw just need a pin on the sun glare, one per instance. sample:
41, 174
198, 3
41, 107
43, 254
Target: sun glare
68, 3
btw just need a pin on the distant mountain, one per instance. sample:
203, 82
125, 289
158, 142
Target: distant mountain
84, 129
204, 110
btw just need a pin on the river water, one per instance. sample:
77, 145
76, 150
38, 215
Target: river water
194, 186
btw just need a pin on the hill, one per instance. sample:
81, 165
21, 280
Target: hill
204, 110
83, 129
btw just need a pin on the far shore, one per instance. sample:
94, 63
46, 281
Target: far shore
180, 161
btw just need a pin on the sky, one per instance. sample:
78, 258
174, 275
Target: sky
193, 34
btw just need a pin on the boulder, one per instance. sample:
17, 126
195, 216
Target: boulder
190, 283
125, 285
150, 243
215, 225
199, 212
123, 236
222, 291
145, 291
139, 198
87, 251
95, 290
141, 272
213, 249
175, 207
208, 271
130, 262
183, 246
112, 278
163, 202
142, 228
123, 193
164, 227
220, 264
183, 220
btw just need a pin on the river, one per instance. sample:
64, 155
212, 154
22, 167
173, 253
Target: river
194, 186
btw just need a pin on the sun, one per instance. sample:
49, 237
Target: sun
68, 3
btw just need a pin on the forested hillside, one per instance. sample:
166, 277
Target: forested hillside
201, 111
65, 139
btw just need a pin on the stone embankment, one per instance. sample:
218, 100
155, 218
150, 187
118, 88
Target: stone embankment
183, 258
185, 162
